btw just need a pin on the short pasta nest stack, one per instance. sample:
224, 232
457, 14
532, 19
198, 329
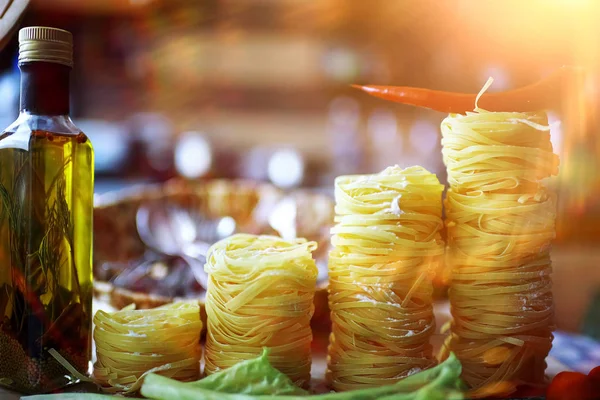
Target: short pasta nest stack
387, 245
133, 343
500, 222
260, 294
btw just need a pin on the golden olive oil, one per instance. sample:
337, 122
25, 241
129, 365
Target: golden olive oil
46, 195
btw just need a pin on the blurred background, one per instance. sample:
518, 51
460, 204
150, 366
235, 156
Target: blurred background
260, 90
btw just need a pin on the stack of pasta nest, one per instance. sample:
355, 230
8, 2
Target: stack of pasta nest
500, 221
387, 245
260, 294
133, 343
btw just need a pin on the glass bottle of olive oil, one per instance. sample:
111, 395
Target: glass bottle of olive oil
46, 205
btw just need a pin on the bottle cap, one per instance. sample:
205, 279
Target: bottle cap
39, 43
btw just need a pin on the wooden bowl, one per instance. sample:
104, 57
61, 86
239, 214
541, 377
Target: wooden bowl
252, 205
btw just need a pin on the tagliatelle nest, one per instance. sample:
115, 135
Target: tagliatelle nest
133, 343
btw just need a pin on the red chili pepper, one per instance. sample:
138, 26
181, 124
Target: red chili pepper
541, 95
571, 386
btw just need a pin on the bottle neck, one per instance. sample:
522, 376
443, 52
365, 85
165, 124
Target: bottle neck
44, 88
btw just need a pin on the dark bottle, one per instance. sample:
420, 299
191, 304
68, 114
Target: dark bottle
46, 205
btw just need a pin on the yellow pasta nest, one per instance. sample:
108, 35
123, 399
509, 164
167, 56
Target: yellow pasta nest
133, 343
260, 294
500, 222
387, 245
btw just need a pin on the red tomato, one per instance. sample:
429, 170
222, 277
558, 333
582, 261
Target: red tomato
571, 386
594, 376
595, 373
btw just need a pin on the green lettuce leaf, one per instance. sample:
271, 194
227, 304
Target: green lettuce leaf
252, 377
441, 382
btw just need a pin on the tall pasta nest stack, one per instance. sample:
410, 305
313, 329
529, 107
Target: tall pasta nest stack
500, 223
387, 249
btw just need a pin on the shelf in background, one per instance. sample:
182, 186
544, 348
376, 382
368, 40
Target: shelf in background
91, 7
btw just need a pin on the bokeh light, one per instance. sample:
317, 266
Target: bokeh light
286, 168
193, 155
